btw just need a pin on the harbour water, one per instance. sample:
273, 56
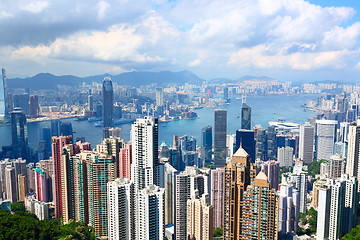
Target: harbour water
263, 109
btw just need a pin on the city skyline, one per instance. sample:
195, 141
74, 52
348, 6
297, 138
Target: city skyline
277, 39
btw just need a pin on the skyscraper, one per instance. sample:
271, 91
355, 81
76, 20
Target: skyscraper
108, 103
250, 206
271, 170
217, 196
58, 143
325, 138
285, 156
246, 139
150, 214
288, 209
337, 207
4, 108
352, 159
206, 144
226, 93
125, 161
121, 222
199, 218
306, 143
159, 97
245, 115
34, 106
220, 138
19, 134
11, 186
144, 141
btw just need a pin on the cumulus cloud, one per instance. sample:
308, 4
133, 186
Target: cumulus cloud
211, 36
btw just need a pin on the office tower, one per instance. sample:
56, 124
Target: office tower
285, 156
100, 170
40, 185
55, 127
217, 196
159, 97
108, 103
117, 112
271, 170
90, 102
22, 190
19, 134
300, 180
58, 143
144, 139
245, 115
306, 143
34, 106
271, 143
230, 144
199, 218
11, 186
120, 196
170, 173
352, 159
261, 145
226, 93
66, 129
125, 160
164, 152
44, 145
206, 144
220, 138
343, 132
150, 215
288, 209
246, 139
189, 155
336, 166
337, 207
238, 175
4, 110
22, 101
325, 138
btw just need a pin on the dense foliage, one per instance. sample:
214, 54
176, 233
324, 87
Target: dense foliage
314, 168
23, 225
217, 232
353, 234
309, 218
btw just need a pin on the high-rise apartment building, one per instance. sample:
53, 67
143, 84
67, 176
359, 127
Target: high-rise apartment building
250, 206
299, 179
352, 159
199, 218
144, 141
169, 179
121, 211
220, 138
217, 196
325, 138
108, 103
11, 186
288, 209
206, 144
40, 185
22, 189
19, 134
306, 143
272, 170
245, 115
125, 160
150, 215
336, 166
58, 143
285, 156
337, 207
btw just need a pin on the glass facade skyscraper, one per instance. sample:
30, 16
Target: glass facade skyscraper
108, 103
245, 116
19, 134
220, 138
3, 95
206, 144
246, 139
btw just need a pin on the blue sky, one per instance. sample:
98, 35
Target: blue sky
284, 39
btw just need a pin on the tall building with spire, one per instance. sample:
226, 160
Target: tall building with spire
250, 206
4, 108
245, 115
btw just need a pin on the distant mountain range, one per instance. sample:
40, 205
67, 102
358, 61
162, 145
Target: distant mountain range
133, 79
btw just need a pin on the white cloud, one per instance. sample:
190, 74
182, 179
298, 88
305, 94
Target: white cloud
102, 6
35, 6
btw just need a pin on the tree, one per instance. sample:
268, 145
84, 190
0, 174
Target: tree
353, 234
